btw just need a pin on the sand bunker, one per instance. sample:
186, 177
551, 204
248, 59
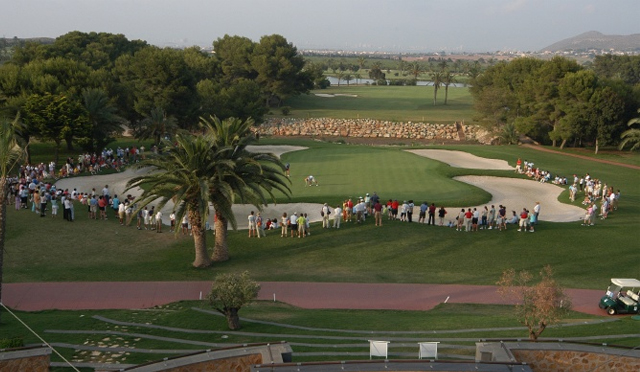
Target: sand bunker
516, 193
325, 95
461, 159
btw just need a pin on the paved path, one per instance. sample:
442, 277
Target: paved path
604, 161
136, 295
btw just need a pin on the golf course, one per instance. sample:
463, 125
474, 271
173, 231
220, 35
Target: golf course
582, 257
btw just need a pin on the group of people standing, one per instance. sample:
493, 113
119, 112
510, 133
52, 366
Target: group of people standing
487, 218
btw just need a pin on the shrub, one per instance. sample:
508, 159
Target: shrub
10, 343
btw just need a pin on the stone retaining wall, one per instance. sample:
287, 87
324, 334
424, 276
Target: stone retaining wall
575, 361
365, 128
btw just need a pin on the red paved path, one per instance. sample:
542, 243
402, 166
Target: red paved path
604, 161
136, 295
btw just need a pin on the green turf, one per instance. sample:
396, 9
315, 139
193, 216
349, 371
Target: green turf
397, 252
471, 323
393, 103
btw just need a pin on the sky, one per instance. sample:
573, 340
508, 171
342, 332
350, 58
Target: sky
372, 25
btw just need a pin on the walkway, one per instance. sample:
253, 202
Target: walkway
136, 295
603, 161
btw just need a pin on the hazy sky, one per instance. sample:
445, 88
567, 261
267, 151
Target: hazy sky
422, 25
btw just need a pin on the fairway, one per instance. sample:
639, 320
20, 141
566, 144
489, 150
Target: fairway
393, 103
583, 257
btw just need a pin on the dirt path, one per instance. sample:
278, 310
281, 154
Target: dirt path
389, 296
540, 148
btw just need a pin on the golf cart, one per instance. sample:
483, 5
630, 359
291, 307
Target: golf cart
622, 297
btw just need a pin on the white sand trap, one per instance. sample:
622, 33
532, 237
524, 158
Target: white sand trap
515, 194
460, 159
325, 95
118, 183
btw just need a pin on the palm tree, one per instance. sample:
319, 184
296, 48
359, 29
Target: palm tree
157, 125
631, 136
10, 156
402, 67
447, 79
105, 123
252, 178
339, 75
182, 174
347, 78
362, 62
416, 69
437, 78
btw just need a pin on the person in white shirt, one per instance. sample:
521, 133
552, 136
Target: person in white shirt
325, 216
337, 216
159, 221
121, 212
252, 224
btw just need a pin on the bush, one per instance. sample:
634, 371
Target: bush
10, 343
285, 110
381, 82
322, 83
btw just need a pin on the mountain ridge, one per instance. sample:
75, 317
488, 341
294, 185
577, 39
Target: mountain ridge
596, 40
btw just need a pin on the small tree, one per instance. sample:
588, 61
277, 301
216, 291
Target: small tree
230, 292
538, 305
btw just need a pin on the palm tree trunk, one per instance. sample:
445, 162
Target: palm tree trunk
3, 223
199, 241
446, 94
597, 146
221, 248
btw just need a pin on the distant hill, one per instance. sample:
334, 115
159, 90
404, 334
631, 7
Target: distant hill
598, 41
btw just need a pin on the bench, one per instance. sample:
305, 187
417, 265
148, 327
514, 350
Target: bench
627, 301
632, 295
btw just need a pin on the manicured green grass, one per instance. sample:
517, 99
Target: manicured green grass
43, 152
327, 330
583, 257
393, 103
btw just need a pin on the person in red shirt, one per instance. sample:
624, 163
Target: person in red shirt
432, 215
524, 218
394, 208
349, 210
102, 206
467, 220
377, 213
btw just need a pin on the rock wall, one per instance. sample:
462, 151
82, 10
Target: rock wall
235, 364
366, 128
575, 361
33, 364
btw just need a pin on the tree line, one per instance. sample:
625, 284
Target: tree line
558, 101
84, 87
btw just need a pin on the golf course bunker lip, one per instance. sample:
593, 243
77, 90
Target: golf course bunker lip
517, 193
278, 150
461, 159
326, 95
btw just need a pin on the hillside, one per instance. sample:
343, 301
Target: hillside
598, 41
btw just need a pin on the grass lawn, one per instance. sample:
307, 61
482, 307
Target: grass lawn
46, 249
393, 103
329, 331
